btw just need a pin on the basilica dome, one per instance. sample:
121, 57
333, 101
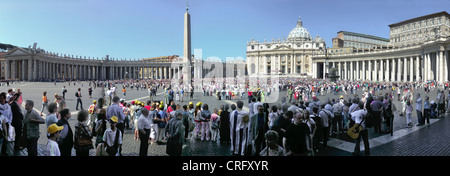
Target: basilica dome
299, 32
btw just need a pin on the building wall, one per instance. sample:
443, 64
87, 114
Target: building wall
419, 30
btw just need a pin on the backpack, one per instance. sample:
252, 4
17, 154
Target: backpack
369, 120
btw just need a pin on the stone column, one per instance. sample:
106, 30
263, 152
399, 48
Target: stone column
351, 71
357, 71
22, 74
411, 69
393, 70
444, 57
345, 71
35, 69
442, 66
279, 65
293, 61
14, 69
405, 70
364, 70
264, 64
339, 70
430, 72
388, 71
399, 69
438, 68
382, 70
8, 69
375, 67
418, 75
370, 76
30, 70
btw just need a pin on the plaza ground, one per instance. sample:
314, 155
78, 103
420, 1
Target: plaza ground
428, 140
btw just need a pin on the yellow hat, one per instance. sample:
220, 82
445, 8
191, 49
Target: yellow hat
190, 103
342, 96
199, 103
114, 119
95, 101
53, 128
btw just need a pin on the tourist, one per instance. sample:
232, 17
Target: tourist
136, 113
92, 114
191, 117
6, 111
409, 110
65, 140
376, 107
17, 119
205, 118
83, 136
31, 125
19, 101
225, 125
419, 110
295, 140
214, 125
175, 135
113, 138
52, 148
307, 118
160, 124
44, 101
426, 111
441, 102
272, 149
90, 92
64, 91
186, 121
242, 120
51, 117
338, 108
233, 128
197, 121
318, 130
78, 95
389, 110
258, 127
144, 125
116, 110
326, 117
3, 131
359, 117
99, 127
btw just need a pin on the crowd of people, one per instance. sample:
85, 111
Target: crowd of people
300, 125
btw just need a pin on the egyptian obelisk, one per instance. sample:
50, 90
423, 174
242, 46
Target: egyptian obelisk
187, 47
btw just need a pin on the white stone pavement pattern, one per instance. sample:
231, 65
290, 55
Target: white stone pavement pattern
33, 91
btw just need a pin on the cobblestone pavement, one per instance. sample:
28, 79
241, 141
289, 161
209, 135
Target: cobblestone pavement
426, 140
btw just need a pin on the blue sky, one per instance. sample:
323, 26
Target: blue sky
221, 28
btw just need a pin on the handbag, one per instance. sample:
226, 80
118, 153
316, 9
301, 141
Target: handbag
113, 149
100, 151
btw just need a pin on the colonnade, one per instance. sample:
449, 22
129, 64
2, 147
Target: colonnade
37, 70
394, 67
45, 67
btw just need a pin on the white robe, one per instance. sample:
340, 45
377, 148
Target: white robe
239, 143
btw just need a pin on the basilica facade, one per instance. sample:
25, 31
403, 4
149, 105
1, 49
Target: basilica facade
291, 56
